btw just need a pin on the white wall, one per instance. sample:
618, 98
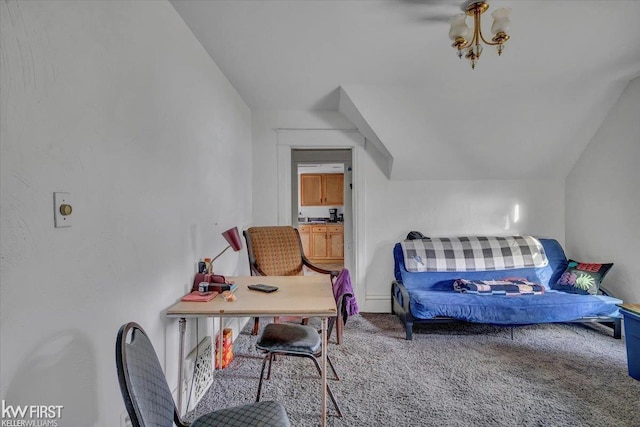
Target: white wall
118, 104
603, 198
450, 208
393, 208
265, 160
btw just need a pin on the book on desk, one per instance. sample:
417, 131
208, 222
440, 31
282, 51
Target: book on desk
197, 296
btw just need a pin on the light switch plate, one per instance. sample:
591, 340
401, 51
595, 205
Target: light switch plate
59, 219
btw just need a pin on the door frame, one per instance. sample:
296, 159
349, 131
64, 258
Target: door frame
290, 139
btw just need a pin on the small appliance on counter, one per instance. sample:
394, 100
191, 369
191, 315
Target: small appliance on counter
333, 215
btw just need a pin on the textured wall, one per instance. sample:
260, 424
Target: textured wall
118, 104
603, 198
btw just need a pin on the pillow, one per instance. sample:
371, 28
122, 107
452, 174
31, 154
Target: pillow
582, 278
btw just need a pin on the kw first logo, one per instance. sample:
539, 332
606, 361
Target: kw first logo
30, 415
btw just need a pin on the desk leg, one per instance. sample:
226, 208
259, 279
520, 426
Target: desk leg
182, 326
324, 372
220, 345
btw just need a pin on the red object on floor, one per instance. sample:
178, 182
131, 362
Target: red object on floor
227, 348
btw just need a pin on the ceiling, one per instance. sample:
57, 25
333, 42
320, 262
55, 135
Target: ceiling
388, 66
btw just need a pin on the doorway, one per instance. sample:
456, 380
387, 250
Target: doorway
328, 139
322, 163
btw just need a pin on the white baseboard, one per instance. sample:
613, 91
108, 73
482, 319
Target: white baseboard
380, 303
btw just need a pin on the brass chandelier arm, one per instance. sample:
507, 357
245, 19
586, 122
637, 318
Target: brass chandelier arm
490, 43
477, 28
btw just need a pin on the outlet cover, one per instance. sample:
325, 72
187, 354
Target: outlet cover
62, 210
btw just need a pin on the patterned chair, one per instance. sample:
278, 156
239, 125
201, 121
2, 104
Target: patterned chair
277, 251
148, 399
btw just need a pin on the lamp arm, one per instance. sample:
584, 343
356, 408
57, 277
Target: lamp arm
218, 256
490, 43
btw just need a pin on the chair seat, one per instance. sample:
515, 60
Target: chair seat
259, 414
290, 338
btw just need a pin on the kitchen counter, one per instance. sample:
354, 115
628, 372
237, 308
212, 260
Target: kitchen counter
321, 222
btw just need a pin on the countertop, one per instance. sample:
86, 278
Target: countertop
321, 222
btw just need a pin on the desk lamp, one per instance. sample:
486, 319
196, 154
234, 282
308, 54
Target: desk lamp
232, 236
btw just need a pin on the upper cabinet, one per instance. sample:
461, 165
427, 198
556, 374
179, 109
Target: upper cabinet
321, 189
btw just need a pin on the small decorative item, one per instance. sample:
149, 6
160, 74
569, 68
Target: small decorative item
228, 296
227, 348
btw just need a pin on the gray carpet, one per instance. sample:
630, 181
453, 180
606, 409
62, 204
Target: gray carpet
449, 375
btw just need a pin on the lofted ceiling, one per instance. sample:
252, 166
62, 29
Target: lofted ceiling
388, 66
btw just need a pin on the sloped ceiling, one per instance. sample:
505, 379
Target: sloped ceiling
389, 68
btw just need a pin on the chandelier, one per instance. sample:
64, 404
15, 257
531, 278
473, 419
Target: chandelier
469, 41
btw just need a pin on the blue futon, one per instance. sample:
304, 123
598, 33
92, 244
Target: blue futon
496, 280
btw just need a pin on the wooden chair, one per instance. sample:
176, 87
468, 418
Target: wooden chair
277, 251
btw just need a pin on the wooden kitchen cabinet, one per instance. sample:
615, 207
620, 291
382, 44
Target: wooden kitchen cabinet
311, 189
323, 243
321, 189
318, 244
305, 233
333, 189
335, 242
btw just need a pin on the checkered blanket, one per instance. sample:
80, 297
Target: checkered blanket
473, 253
506, 286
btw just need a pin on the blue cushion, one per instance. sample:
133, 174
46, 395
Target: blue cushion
552, 306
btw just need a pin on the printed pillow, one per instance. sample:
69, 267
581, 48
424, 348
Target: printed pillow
582, 278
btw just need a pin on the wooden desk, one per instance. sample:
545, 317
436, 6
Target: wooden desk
305, 296
634, 308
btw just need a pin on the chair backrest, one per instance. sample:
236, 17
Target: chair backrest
144, 387
274, 251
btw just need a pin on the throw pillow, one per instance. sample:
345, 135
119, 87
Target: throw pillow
582, 278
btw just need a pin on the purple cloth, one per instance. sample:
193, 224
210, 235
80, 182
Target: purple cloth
341, 287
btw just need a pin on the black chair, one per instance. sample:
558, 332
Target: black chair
292, 340
148, 399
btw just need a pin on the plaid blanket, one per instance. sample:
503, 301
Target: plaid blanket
473, 253
507, 286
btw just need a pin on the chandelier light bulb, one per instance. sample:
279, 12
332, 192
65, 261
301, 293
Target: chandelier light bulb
459, 28
501, 21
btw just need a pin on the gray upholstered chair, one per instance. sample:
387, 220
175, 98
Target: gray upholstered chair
292, 340
148, 399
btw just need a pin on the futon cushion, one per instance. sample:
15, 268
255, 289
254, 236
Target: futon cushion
582, 278
473, 253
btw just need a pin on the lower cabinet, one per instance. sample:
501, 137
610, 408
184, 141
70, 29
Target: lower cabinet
322, 243
335, 242
305, 233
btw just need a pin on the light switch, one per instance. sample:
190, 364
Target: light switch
62, 210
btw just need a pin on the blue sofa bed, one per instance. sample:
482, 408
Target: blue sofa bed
423, 290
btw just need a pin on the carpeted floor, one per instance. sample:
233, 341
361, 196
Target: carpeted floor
449, 375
